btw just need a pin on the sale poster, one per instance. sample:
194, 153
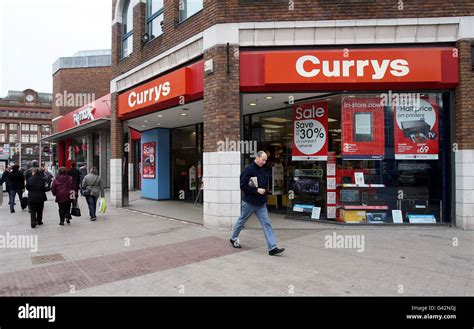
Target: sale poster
416, 129
310, 131
363, 128
149, 160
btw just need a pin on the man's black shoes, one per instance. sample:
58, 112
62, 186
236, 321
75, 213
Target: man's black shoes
276, 251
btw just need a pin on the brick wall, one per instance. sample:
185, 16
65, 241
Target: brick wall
173, 33
464, 98
221, 98
229, 11
116, 129
94, 80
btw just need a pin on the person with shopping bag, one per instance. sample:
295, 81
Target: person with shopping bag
91, 190
63, 190
37, 187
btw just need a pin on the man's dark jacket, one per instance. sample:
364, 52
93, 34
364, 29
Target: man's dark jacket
16, 180
250, 192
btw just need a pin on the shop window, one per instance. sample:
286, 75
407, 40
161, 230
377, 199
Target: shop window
154, 18
383, 163
127, 31
188, 8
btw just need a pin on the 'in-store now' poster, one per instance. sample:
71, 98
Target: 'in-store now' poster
149, 160
363, 128
310, 131
416, 129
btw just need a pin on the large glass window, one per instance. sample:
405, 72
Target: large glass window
188, 8
154, 19
127, 32
386, 163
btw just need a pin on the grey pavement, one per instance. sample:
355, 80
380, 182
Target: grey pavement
127, 252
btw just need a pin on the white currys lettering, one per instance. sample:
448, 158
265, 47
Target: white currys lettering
309, 66
152, 94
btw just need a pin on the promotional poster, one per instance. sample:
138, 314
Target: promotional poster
149, 160
416, 130
310, 131
363, 135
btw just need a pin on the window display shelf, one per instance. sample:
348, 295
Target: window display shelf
360, 185
361, 207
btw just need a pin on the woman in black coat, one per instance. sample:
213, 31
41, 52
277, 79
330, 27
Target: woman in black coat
36, 186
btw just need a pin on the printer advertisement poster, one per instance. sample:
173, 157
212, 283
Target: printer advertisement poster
310, 131
149, 160
363, 128
416, 130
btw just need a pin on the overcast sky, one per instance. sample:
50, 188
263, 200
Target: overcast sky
35, 33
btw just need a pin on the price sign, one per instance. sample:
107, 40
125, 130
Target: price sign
310, 127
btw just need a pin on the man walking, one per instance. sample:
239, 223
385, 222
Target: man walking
254, 184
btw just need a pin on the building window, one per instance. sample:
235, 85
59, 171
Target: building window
12, 138
13, 127
33, 127
45, 128
127, 32
2, 138
25, 138
33, 138
188, 8
25, 127
2, 126
154, 21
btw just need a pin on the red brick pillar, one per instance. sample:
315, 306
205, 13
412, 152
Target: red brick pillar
221, 122
465, 138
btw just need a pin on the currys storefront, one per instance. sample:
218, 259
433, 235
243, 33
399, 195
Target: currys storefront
354, 135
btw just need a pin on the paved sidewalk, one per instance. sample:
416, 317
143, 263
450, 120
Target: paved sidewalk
126, 252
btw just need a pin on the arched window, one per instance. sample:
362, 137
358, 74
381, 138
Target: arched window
154, 18
127, 31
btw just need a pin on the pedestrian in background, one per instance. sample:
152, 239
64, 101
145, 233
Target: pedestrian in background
3, 179
63, 190
254, 183
36, 186
91, 190
16, 180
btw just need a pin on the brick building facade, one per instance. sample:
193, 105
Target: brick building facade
222, 31
81, 111
25, 118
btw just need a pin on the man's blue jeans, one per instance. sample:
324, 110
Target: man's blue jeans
262, 214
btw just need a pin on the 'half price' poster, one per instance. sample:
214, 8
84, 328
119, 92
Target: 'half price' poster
416, 130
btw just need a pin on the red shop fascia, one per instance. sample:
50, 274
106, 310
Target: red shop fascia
85, 119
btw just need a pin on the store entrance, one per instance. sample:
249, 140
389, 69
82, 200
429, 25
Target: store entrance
186, 145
